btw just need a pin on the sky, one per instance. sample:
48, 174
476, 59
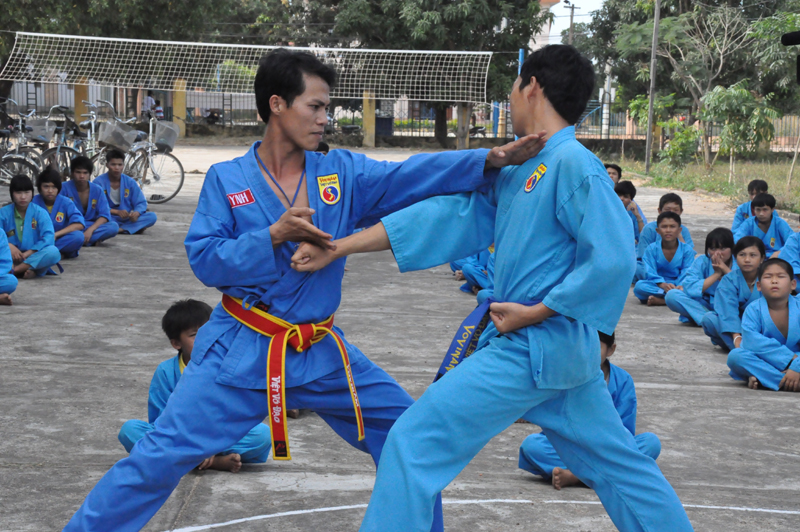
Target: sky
562, 16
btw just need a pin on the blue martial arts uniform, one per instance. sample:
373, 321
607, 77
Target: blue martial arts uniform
660, 270
64, 213
692, 303
790, 252
96, 208
576, 256
8, 281
765, 354
775, 237
488, 292
732, 297
131, 199
253, 448
478, 274
743, 212
37, 234
222, 395
648, 236
537, 455
636, 231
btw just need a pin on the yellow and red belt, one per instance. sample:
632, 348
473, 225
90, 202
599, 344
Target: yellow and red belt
300, 337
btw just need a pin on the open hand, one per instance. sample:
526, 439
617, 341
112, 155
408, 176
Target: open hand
516, 152
87, 236
310, 257
718, 264
790, 381
295, 226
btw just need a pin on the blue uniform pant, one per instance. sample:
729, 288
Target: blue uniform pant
458, 415
254, 448
104, 232
8, 283
744, 364
70, 244
458, 264
644, 289
691, 310
537, 455
203, 418
474, 276
147, 219
42, 260
712, 326
641, 271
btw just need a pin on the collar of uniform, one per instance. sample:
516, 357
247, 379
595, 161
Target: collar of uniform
563, 135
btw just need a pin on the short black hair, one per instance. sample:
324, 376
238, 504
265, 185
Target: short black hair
668, 215
81, 162
566, 77
114, 154
719, 238
775, 262
608, 339
49, 175
757, 185
625, 188
763, 200
670, 198
19, 183
323, 147
749, 241
183, 315
615, 167
280, 72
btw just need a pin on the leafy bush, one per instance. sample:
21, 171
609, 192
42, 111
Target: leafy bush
682, 145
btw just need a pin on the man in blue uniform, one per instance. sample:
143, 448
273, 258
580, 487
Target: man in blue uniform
563, 266
275, 325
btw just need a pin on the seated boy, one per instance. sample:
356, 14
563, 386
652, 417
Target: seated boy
666, 261
668, 203
478, 276
790, 252
626, 192
68, 222
90, 201
772, 230
700, 285
180, 324
128, 205
537, 455
770, 333
615, 173
735, 292
481, 259
744, 211
8, 281
29, 231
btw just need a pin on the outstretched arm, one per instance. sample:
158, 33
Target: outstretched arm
310, 257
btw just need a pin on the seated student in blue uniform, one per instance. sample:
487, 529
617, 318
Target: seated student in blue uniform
126, 201
765, 224
90, 201
790, 252
29, 231
68, 222
537, 455
769, 356
735, 292
615, 173
180, 324
697, 296
478, 276
8, 281
667, 261
670, 202
744, 211
457, 266
626, 192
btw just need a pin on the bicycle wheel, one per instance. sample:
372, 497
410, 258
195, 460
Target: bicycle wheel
32, 154
60, 158
165, 179
98, 164
12, 165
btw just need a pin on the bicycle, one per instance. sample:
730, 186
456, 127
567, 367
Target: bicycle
40, 131
159, 173
62, 154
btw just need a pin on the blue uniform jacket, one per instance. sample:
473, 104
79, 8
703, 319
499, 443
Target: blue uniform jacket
131, 197
743, 212
775, 237
649, 235
762, 337
623, 393
63, 213
97, 207
6, 261
732, 297
229, 246
701, 270
790, 252
561, 236
635, 226
165, 378
37, 230
660, 270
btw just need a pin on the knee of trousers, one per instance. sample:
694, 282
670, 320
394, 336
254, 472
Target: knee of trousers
70, 242
132, 431
49, 256
673, 299
736, 358
8, 283
649, 444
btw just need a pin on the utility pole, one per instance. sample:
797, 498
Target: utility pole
572, 8
649, 145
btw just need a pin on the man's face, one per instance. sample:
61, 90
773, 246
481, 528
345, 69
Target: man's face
671, 207
775, 283
185, 342
22, 198
114, 167
764, 214
80, 175
48, 192
626, 199
304, 122
669, 230
613, 174
521, 106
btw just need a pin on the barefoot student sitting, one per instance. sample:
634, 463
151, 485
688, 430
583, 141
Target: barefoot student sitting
735, 292
768, 356
90, 201
8, 281
29, 231
537, 455
68, 222
668, 203
667, 261
180, 324
126, 201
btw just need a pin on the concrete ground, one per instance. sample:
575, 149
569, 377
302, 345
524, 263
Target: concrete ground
77, 353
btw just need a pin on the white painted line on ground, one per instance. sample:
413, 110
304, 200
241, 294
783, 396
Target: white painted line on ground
468, 501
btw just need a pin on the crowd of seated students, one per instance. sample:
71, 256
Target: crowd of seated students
39, 231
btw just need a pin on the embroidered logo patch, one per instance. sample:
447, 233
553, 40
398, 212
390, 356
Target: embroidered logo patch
127, 192
240, 199
329, 189
533, 180
772, 242
34, 225
94, 203
59, 217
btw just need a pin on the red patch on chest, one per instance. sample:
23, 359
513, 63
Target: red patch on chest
240, 199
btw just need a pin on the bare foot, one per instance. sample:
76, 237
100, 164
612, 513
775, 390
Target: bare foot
5, 299
30, 274
293, 413
654, 301
563, 478
229, 462
753, 383
459, 275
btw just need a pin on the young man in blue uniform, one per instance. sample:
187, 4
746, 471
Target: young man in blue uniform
765, 224
745, 210
251, 215
563, 266
68, 222
90, 201
8, 281
126, 202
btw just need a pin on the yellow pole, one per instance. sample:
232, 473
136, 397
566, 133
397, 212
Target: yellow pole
81, 93
368, 120
179, 105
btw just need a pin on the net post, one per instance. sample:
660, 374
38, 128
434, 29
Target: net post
464, 112
179, 105
368, 120
81, 93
